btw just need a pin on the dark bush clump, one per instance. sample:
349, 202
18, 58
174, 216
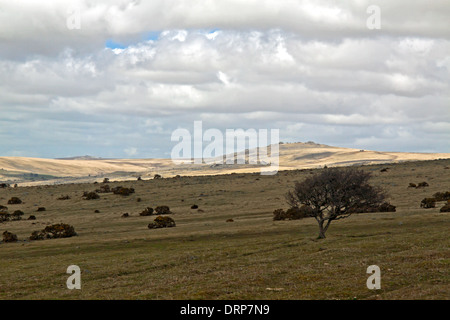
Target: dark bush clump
125, 215
59, 230
97, 211
106, 180
103, 189
194, 206
442, 196
64, 198
147, 212
163, 210
230, 220
17, 215
14, 200
9, 237
3, 208
422, 184
445, 208
90, 196
4, 216
162, 222
31, 217
40, 209
428, 203
122, 191
279, 214
157, 176
412, 185
384, 170
386, 207
293, 213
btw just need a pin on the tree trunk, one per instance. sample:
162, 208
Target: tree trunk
321, 230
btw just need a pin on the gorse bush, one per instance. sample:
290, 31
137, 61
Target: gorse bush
422, 185
9, 237
442, 196
163, 210
59, 230
147, 212
123, 191
428, 203
105, 188
162, 222
14, 200
90, 196
446, 207
293, 213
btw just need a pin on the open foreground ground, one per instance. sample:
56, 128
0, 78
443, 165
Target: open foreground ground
205, 257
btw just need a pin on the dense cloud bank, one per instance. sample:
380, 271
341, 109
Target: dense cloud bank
137, 70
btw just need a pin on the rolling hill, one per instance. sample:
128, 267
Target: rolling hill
34, 171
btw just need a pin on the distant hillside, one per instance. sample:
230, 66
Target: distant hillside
81, 158
88, 169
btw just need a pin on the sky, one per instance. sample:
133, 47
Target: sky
114, 79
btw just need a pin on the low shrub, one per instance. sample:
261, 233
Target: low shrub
125, 215
123, 191
386, 207
104, 189
17, 215
59, 230
90, 196
147, 212
422, 184
445, 208
279, 214
40, 209
64, 198
162, 222
4, 216
31, 217
14, 200
194, 206
293, 213
163, 210
9, 237
412, 185
428, 203
442, 196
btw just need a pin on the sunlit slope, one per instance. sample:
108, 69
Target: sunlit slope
291, 156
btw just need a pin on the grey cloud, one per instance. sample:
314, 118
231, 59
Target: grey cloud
310, 68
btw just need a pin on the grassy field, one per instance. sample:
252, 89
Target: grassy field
205, 257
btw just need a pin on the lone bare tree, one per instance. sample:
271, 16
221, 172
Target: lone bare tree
335, 194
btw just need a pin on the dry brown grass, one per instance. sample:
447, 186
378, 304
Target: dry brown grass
204, 257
